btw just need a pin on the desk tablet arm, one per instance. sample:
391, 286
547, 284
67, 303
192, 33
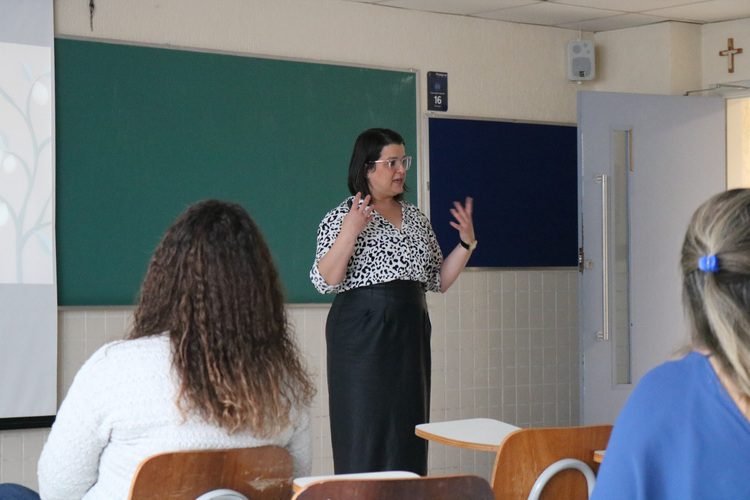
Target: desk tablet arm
565, 463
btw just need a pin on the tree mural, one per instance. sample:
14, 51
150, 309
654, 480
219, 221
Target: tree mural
26, 171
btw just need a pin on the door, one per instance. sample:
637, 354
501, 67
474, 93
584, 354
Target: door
645, 164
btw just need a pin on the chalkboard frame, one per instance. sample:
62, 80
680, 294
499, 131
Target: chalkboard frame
523, 178
134, 149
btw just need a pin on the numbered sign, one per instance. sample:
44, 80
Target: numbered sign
437, 91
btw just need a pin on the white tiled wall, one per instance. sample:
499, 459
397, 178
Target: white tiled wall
504, 346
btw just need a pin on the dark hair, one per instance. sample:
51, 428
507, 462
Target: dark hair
367, 148
213, 286
717, 301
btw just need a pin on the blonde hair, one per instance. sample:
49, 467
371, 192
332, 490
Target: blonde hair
717, 302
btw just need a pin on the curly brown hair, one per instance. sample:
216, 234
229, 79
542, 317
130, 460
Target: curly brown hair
213, 286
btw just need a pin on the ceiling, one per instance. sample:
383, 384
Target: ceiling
585, 15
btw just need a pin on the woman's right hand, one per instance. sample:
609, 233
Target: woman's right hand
358, 217
332, 266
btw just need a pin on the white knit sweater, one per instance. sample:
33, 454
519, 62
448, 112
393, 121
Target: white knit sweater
120, 410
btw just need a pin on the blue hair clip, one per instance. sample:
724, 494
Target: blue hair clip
709, 264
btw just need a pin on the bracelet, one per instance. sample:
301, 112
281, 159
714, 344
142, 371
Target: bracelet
468, 246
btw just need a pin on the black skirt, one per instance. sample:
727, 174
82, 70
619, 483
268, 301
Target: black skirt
378, 345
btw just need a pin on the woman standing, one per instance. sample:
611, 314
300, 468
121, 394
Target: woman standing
378, 253
210, 363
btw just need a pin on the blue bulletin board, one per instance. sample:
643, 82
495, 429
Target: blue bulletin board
523, 178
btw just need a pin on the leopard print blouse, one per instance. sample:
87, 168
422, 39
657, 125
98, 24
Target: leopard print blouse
382, 253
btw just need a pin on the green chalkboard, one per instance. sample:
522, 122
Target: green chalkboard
144, 132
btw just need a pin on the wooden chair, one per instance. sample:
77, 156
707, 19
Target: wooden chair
525, 454
261, 473
458, 487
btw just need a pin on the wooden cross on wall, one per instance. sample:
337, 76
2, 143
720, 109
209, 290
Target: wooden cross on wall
731, 51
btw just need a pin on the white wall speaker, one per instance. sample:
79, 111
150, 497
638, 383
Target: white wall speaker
581, 60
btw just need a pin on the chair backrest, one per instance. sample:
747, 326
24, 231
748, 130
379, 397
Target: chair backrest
261, 473
456, 487
525, 454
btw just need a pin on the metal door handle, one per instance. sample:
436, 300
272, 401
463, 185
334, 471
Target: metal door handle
603, 334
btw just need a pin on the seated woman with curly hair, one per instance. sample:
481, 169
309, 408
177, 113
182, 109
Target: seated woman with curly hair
210, 363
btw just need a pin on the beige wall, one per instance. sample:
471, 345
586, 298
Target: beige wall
738, 144
505, 341
492, 68
713, 40
656, 59
670, 58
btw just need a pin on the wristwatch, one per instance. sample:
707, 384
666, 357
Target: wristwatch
468, 246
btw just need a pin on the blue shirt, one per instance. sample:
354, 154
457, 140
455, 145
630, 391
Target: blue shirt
680, 436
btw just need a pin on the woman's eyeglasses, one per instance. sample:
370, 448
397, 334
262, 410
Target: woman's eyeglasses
394, 163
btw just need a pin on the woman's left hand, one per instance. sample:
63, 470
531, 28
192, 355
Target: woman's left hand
464, 222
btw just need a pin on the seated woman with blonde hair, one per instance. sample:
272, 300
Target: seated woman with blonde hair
684, 433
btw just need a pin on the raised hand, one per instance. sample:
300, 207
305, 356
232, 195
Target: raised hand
464, 222
358, 217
